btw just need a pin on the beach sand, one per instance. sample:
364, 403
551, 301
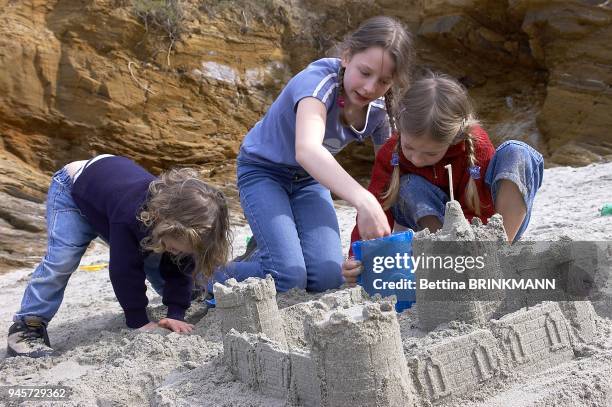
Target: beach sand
106, 364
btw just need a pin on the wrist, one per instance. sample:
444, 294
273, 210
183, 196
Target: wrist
175, 312
136, 318
363, 199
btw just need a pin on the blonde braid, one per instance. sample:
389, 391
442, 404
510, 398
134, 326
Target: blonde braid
390, 196
471, 192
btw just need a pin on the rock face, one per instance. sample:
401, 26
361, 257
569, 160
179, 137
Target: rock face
79, 78
570, 41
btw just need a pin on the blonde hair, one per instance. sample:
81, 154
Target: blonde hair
438, 107
390, 35
182, 206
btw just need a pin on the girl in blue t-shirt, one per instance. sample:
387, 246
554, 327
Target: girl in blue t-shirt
286, 165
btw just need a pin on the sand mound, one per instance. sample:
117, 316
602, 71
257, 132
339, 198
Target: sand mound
105, 364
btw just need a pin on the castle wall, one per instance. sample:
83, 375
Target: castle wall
534, 339
456, 366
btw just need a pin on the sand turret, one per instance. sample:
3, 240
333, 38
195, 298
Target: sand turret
458, 240
250, 306
455, 226
362, 342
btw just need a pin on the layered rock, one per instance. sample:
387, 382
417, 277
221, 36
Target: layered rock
78, 78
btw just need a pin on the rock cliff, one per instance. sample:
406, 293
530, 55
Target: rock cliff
180, 82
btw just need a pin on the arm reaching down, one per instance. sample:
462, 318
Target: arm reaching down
127, 275
321, 165
177, 288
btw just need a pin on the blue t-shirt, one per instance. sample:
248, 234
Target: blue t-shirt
272, 139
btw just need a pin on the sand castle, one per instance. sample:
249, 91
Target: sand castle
345, 349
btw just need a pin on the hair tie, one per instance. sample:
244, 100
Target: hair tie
394, 159
474, 172
341, 102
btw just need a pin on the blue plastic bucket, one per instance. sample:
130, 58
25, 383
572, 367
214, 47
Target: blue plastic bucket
380, 272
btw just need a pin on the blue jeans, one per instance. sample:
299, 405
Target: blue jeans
68, 236
513, 160
295, 226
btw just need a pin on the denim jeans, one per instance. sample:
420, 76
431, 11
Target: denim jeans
294, 222
513, 160
69, 235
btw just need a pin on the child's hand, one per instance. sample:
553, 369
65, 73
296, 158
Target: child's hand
148, 327
351, 269
175, 325
371, 219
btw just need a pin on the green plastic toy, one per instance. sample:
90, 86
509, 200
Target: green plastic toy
606, 210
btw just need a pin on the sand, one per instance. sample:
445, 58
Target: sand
106, 364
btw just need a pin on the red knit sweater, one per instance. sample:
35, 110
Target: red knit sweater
437, 174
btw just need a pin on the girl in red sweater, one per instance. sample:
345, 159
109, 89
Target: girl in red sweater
437, 127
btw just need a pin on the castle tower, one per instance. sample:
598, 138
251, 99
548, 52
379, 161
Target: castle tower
455, 226
250, 306
359, 357
455, 241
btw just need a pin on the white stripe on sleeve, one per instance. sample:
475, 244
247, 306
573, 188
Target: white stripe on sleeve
322, 83
329, 91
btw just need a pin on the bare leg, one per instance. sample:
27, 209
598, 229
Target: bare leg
430, 222
510, 204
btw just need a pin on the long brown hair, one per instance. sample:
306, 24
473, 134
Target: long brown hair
390, 35
437, 106
182, 206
